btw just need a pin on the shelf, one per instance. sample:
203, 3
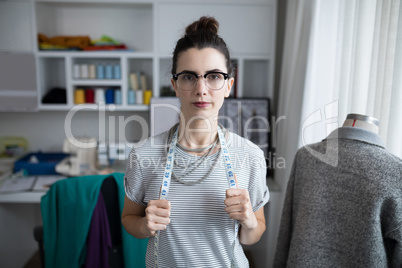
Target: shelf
150, 30
95, 82
95, 54
54, 107
95, 107
124, 22
113, 107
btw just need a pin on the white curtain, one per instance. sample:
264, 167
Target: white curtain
354, 66
340, 57
298, 28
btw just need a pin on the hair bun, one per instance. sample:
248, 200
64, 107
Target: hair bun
205, 23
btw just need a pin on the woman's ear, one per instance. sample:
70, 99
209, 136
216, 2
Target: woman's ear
174, 87
228, 89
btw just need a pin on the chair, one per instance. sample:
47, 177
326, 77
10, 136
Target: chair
111, 192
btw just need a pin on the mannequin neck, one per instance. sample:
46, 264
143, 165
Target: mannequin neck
362, 121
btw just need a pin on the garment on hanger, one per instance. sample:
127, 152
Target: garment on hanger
99, 241
343, 215
71, 201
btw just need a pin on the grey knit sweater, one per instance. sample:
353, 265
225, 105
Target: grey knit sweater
343, 215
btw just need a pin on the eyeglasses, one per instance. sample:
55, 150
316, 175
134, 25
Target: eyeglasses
188, 80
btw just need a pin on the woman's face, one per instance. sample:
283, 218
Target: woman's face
202, 102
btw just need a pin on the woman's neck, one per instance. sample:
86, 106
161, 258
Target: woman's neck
197, 134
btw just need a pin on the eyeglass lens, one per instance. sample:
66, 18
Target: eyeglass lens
187, 81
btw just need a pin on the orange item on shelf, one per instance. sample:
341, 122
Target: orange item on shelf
80, 42
79, 96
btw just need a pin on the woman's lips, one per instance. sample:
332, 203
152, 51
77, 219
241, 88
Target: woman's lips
201, 104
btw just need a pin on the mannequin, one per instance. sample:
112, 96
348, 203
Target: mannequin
346, 214
362, 121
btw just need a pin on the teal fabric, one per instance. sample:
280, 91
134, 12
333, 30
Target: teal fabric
66, 224
134, 250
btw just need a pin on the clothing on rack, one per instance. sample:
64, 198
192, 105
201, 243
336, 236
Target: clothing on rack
67, 210
99, 240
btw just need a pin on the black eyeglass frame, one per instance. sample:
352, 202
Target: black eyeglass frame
225, 76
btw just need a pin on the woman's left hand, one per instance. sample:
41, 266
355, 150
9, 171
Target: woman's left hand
238, 206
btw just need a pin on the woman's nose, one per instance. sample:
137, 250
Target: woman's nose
201, 87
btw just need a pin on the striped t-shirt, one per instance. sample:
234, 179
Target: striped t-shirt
200, 233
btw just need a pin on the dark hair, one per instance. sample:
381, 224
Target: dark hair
202, 34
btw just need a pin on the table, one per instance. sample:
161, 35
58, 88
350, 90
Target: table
19, 214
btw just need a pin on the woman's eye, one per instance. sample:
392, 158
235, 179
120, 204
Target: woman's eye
214, 76
188, 77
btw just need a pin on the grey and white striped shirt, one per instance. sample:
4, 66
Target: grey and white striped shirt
201, 232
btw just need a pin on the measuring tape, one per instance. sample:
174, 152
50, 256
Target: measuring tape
167, 175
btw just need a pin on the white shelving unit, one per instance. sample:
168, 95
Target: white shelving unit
129, 22
149, 28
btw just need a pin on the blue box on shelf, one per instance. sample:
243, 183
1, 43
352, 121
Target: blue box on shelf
39, 163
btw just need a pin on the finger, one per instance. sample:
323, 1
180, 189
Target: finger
153, 211
235, 192
234, 201
237, 216
163, 213
160, 203
237, 196
237, 184
157, 220
235, 208
160, 226
154, 227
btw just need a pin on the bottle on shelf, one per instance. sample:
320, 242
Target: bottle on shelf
79, 96
132, 93
117, 96
116, 71
89, 95
100, 71
91, 71
109, 71
99, 95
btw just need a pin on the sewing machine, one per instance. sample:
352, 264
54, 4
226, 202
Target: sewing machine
83, 158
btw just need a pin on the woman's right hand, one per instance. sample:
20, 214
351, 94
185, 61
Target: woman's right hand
157, 215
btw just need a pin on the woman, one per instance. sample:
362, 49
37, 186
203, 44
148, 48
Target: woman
177, 194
